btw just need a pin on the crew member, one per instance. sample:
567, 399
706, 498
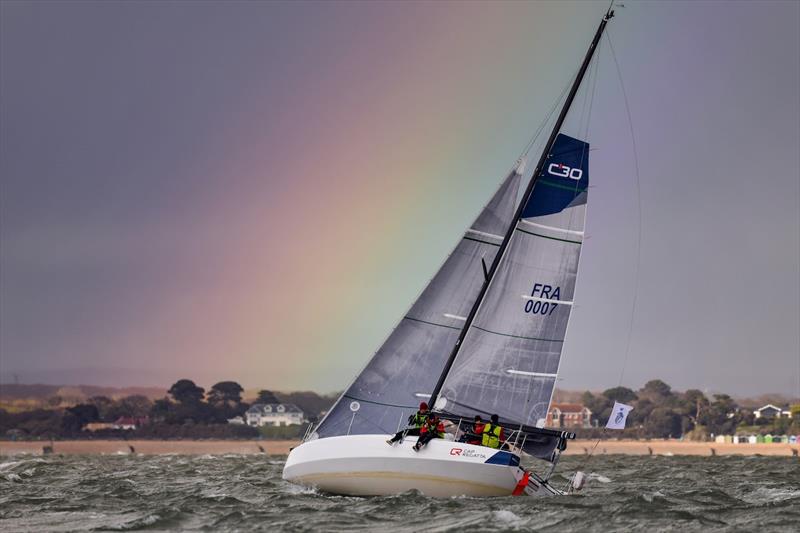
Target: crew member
474, 434
433, 429
492, 433
415, 423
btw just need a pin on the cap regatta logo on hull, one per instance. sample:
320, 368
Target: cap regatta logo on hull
467, 453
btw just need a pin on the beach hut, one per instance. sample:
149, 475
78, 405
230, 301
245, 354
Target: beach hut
728, 439
760, 439
768, 439
793, 439
719, 439
752, 439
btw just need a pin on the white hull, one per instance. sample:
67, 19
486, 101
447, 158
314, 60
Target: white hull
364, 465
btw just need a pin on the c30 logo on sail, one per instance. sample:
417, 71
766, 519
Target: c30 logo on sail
563, 171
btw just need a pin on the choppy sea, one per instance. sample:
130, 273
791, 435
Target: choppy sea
246, 493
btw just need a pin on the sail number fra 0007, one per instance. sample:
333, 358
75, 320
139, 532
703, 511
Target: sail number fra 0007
545, 292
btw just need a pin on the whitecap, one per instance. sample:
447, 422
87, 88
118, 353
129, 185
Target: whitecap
649, 497
506, 517
770, 495
599, 477
9, 465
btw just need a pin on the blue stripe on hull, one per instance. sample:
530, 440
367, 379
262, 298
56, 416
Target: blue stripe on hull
503, 458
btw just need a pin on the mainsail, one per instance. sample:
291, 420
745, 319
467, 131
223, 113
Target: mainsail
508, 361
405, 368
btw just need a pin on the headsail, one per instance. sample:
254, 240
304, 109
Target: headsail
405, 368
508, 361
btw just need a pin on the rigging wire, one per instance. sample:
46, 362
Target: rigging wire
546, 120
590, 453
638, 211
583, 122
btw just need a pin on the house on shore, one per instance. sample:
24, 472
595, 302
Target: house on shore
130, 422
274, 414
123, 422
568, 415
772, 411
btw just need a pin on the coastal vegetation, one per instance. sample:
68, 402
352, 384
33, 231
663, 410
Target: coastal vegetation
660, 412
188, 411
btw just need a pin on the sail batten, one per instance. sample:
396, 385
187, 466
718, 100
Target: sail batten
537, 299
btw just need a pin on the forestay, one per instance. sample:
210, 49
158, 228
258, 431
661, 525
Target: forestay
508, 361
405, 368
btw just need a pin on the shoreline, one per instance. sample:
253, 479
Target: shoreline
282, 447
678, 447
150, 447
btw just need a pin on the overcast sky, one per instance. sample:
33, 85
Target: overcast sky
258, 191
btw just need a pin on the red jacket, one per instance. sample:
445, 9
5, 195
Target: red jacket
477, 429
427, 427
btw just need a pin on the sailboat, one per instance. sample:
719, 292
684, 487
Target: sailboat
484, 337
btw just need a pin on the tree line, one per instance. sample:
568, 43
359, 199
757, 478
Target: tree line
660, 412
187, 411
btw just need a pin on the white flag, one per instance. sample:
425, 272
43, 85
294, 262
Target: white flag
619, 414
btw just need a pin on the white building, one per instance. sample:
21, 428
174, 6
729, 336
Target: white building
274, 414
772, 411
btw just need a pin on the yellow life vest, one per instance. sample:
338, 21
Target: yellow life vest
491, 435
418, 419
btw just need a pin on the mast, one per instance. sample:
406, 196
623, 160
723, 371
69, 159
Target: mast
526, 196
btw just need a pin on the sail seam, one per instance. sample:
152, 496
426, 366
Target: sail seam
379, 403
516, 336
478, 240
431, 323
552, 228
547, 237
559, 186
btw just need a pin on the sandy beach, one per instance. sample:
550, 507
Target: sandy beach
281, 447
676, 447
151, 447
